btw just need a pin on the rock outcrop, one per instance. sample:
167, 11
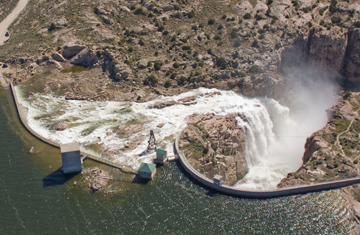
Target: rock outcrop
58, 57
214, 144
85, 58
71, 49
62, 126
98, 179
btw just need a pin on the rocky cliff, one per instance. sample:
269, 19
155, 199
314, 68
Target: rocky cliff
215, 144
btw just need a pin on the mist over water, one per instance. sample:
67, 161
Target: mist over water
275, 134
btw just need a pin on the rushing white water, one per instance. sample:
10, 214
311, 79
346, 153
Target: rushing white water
270, 156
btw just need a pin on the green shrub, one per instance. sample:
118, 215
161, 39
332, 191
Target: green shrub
98, 53
167, 84
233, 33
333, 7
130, 49
220, 27
138, 11
254, 69
269, 2
336, 19
223, 17
347, 94
194, 27
149, 64
237, 42
295, 3
157, 65
321, 11
258, 17
186, 48
96, 11
153, 79
247, 16
52, 27
357, 24
176, 65
191, 14
141, 43
217, 37
173, 76
161, 28
255, 43
146, 82
211, 21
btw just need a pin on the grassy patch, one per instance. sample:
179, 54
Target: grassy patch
330, 138
253, 2
196, 149
341, 125
75, 69
35, 84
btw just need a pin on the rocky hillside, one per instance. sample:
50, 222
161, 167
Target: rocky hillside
167, 47
215, 144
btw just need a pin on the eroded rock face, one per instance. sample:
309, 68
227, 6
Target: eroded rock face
215, 144
118, 70
352, 67
328, 48
85, 58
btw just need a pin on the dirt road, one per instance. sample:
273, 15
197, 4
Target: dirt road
10, 18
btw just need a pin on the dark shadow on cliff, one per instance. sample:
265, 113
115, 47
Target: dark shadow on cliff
57, 178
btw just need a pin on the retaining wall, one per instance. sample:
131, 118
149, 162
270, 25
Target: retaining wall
257, 194
92, 157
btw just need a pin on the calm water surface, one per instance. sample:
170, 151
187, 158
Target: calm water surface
34, 200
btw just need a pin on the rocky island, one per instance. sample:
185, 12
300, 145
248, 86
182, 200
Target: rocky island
215, 144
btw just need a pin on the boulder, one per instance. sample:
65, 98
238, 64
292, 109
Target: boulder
123, 72
71, 49
168, 8
142, 64
98, 180
58, 57
85, 58
62, 126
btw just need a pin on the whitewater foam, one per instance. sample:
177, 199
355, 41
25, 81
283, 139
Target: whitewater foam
95, 122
